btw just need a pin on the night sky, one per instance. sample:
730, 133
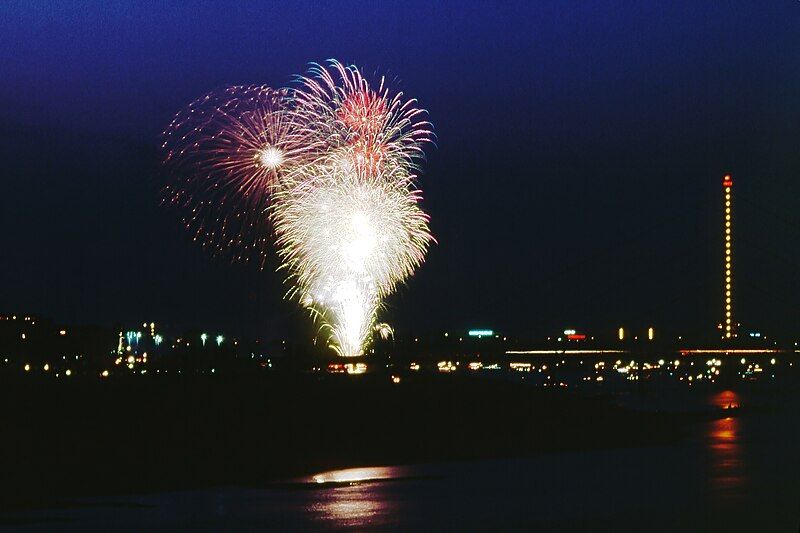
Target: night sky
576, 179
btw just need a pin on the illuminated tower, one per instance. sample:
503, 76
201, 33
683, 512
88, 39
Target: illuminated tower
727, 184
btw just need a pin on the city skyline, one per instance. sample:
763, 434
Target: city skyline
728, 327
400, 265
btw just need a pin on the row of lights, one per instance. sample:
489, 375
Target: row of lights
728, 184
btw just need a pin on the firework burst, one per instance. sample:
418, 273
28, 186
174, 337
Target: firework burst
227, 152
331, 164
347, 243
344, 109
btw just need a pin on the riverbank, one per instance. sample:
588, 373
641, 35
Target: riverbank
62, 441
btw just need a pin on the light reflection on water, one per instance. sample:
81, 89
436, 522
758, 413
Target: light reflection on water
731, 474
724, 444
725, 399
355, 475
354, 506
353, 501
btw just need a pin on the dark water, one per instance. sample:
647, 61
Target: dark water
732, 474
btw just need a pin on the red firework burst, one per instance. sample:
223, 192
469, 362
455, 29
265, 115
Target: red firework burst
364, 112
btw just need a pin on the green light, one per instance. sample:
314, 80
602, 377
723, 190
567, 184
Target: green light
220, 338
203, 338
481, 333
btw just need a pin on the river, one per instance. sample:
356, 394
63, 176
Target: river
740, 473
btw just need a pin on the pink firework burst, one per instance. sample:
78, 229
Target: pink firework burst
345, 110
227, 152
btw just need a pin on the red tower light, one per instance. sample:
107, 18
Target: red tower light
727, 181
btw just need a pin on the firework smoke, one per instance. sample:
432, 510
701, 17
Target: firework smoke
331, 165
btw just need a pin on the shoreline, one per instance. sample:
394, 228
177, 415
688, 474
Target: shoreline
256, 433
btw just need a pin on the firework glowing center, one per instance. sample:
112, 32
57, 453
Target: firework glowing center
361, 244
335, 180
271, 157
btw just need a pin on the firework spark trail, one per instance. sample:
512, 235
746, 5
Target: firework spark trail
228, 152
339, 104
349, 242
331, 163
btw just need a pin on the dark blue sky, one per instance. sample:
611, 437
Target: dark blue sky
576, 179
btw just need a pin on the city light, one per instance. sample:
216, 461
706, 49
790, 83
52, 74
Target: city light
357, 368
540, 367
727, 183
564, 352
730, 351
621, 334
445, 366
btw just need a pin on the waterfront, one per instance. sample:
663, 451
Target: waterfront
729, 474
436, 266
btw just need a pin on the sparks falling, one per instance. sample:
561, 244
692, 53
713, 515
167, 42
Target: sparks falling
227, 153
332, 165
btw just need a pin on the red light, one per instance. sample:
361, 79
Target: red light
336, 368
727, 181
576, 337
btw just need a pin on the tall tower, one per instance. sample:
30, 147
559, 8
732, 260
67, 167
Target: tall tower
727, 184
